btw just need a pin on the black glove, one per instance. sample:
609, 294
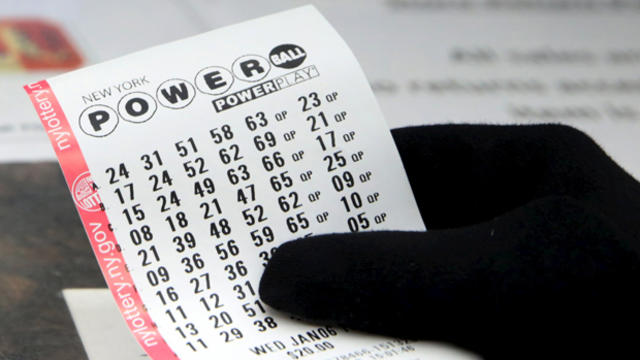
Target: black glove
532, 250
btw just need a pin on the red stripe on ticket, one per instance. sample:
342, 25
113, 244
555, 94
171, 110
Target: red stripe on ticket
95, 221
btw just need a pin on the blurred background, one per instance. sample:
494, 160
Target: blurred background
575, 62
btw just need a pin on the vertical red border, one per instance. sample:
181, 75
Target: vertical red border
96, 224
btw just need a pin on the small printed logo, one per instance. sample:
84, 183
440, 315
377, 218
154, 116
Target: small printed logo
175, 93
98, 120
137, 107
250, 68
85, 193
287, 56
214, 80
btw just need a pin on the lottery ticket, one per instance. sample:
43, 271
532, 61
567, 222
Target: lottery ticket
190, 162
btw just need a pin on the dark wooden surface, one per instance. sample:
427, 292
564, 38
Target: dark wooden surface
43, 249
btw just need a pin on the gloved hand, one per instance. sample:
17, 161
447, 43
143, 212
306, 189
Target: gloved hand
532, 250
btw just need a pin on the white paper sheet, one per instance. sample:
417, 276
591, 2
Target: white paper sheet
104, 334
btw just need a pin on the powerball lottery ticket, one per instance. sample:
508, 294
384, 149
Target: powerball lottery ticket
190, 162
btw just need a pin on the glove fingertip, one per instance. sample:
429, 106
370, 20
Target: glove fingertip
295, 278
277, 285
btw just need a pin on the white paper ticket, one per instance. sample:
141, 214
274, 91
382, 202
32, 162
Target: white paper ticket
190, 162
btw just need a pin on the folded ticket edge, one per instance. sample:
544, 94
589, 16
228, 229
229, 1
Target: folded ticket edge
96, 223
